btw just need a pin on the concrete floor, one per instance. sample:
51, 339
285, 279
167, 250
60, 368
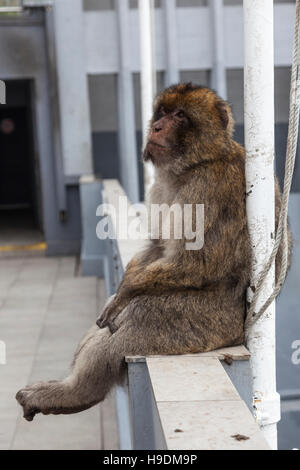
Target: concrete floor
45, 308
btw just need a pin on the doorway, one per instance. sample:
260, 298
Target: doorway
20, 214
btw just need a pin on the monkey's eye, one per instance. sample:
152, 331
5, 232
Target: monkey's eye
180, 114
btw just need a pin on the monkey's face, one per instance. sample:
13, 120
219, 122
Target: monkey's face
166, 135
188, 125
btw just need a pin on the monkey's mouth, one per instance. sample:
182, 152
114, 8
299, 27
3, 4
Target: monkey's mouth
165, 147
156, 153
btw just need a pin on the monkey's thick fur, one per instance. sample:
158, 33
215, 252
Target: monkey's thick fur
172, 300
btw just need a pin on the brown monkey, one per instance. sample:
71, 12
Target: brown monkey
171, 300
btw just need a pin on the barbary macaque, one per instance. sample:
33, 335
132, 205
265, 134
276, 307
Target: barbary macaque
171, 300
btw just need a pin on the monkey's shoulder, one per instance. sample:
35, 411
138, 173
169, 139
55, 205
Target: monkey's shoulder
218, 180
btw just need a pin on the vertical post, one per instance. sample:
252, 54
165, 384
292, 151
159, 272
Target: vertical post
93, 253
73, 87
218, 72
127, 136
259, 142
172, 72
61, 192
148, 75
123, 415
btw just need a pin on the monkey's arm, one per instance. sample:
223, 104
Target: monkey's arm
158, 277
134, 268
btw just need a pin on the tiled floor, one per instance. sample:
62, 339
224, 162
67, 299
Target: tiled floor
44, 311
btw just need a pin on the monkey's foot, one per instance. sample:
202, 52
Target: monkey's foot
41, 397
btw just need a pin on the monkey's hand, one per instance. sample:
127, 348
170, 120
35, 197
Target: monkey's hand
129, 287
120, 300
156, 277
110, 313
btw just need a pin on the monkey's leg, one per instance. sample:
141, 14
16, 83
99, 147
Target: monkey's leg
98, 363
167, 324
90, 379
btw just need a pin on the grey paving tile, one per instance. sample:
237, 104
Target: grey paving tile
26, 303
7, 429
38, 275
80, 305
9, 408
67, 267
88, 311
6, 283
41, 301
43, 262
6, 267
110, 437
55, 368
14, 375
30, 289
76, 287
70, 432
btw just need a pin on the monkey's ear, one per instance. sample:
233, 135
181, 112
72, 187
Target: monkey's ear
225, 116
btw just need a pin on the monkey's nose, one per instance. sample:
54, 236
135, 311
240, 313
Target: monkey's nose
157, 128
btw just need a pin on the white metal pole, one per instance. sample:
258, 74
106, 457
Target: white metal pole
172, 75
126, 125
259, 142
218, 72
148, 75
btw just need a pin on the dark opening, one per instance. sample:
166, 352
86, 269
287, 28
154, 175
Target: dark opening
20, 219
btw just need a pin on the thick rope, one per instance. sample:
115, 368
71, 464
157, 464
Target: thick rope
282, 229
